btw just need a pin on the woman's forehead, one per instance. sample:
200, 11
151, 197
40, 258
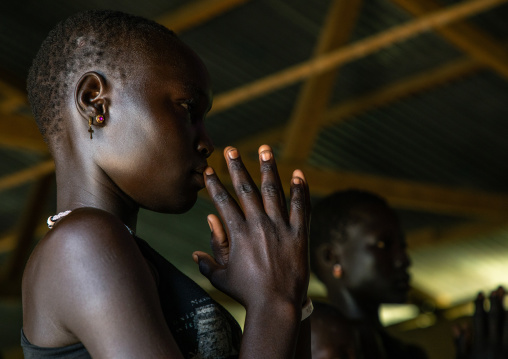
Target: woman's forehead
170, 62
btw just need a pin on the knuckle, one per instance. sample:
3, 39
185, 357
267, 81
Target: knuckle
212, 180
270, 190
297, 194
266, 167
236, 165
244, 188
298, 203
220, 197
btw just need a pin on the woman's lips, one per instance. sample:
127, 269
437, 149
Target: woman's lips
198, 175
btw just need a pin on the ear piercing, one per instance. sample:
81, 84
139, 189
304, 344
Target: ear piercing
99, 119
337, 271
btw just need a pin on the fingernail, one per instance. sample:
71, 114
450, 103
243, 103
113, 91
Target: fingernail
264, 148
266, 155
233, 153
209, 225
298, 173
296, 180
195, 258
209, 171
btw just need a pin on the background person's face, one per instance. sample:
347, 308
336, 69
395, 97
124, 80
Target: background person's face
374, 258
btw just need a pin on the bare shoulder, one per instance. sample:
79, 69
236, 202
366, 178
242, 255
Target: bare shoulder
87, 239
331, 332
328, 316
87, 282
88, 227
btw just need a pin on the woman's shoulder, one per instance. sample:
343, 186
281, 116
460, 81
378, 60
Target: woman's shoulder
82, 242
328, 312
88, 224
88, 257
84, 232
328, 318
331, 332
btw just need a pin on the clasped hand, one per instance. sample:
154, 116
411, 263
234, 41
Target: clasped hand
260, 249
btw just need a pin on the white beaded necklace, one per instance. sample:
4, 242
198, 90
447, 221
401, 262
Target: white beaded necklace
52, 220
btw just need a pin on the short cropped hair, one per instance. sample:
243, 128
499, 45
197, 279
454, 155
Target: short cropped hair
81, 42
333, 214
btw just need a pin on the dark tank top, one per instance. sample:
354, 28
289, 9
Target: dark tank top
202, 328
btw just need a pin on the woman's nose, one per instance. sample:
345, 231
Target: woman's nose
205, 144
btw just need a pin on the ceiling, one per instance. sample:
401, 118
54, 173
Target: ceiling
406, 98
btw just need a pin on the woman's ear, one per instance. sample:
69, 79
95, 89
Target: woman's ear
90, 96
327, 256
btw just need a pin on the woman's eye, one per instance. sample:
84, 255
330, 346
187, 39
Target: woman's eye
188, 104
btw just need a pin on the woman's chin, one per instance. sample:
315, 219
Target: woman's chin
174, 206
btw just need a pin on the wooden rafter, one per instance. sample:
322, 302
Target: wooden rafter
432, 236
30, 174
400, 193
11, 98
351, 52
21, 132
315, 93
400, 89
16, 130
8, 241
468, 38
393, 92
195, 13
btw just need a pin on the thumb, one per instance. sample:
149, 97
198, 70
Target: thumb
209, 268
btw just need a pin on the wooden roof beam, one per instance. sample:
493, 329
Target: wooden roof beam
195, 13
351, 52
468, 38
21, 132
314, 96
9, 240
400, 89
11, 98
432, 236
400, 193
393, 92
27, 175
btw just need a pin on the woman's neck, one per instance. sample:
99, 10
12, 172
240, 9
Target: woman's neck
93, 189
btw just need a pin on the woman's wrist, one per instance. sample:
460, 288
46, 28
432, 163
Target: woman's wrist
276, 308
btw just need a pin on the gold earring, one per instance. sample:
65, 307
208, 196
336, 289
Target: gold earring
99, 119
337, 271
90, 126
